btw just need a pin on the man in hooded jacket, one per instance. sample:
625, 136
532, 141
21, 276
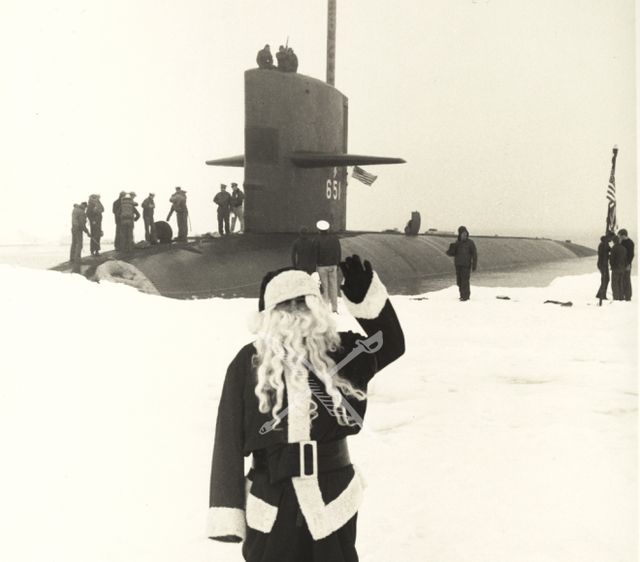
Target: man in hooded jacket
94, 213
465, 260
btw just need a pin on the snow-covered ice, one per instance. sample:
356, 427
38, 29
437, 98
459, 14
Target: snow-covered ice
507, 433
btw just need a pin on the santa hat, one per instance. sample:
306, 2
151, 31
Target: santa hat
286, 284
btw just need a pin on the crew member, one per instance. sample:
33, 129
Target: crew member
328, 253
618, 261
78, 227
465, 260
630, 247
179, 206
603, 267
237, 207
94, 214
116, 215
148, 209
303, 252
223, 200
264, 58
128, 215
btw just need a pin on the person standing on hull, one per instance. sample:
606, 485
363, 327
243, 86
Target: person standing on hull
282, 403
128, 215
630, 247
78, 227
237, 208
148, 209
223, 200
328, 253
117, 244
303, 252
465, 261
603, 267
618, 261
94, 214
179, 206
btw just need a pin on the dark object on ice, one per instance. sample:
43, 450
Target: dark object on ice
503, 297
164, 232
419, 298
568, 303
413, 226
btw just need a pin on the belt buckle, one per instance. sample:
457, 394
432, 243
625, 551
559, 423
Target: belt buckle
314, 455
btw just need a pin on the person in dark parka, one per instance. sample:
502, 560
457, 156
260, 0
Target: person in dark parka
630, 247
465, 260
603, 267
303, 254
94, 214
280, 403
128, 215
618, 261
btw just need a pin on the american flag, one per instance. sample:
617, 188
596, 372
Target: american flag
612, 225
364, 177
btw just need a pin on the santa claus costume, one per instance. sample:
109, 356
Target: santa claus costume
290, 399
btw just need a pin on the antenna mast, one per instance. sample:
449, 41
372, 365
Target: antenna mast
331, 43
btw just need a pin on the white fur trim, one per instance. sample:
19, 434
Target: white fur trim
373, 302
226, 522
298, 397
323, 519
260, 515
289, 285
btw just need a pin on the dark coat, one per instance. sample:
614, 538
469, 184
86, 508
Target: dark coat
630, 247
327, 249
148, 207
464, 253
259, 510
303, 254
223, 200
618, 258
237, 198
603, 255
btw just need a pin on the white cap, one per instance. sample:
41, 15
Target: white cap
322, 225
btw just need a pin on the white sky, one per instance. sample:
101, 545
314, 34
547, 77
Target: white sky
505, 110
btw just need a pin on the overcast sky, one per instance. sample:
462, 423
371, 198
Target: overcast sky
505, 110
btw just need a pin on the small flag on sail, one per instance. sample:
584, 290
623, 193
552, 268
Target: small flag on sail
364, 177
612, 225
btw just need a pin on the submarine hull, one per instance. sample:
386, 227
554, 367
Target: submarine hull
233, 266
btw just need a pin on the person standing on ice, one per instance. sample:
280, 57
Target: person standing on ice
618, 261
626, 278
603, 267
465, 261
328, 254
282, 402
117, 239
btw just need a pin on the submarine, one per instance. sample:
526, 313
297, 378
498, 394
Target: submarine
295, 162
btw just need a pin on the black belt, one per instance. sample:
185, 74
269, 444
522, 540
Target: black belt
304, 459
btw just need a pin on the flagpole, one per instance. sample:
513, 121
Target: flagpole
611, 195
